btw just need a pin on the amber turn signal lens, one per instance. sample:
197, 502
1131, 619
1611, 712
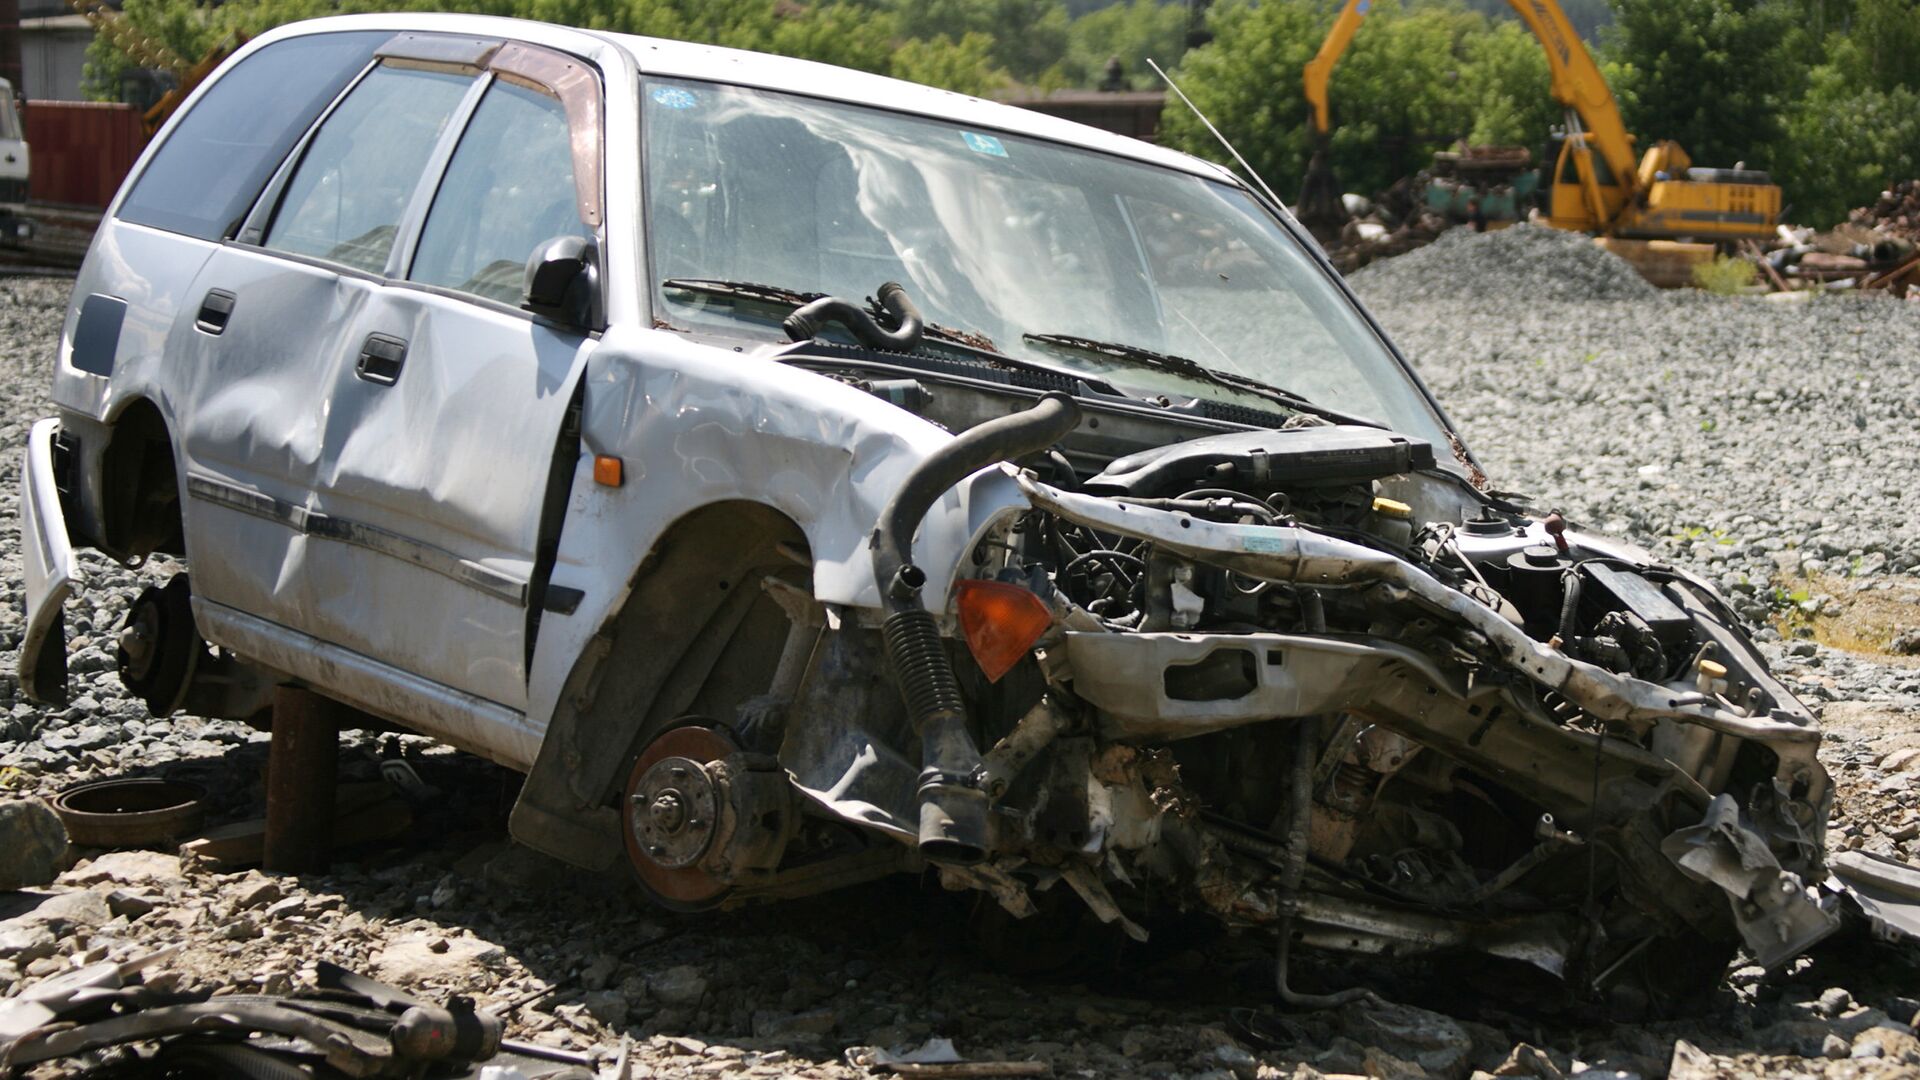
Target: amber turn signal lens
606, 470
1000, 622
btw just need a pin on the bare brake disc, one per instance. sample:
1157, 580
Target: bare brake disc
670, 815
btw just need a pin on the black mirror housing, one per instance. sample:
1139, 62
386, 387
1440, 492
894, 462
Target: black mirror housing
563, 282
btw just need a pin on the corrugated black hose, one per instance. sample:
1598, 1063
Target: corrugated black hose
953, 808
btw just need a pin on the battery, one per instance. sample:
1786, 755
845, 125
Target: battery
1642, 597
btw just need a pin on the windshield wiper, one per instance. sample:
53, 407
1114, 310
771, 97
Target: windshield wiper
1181, 365
792, 299
773, 295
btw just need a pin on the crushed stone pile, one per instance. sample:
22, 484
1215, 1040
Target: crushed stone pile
1524, 260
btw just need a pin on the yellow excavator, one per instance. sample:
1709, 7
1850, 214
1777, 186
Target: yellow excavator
1596, 186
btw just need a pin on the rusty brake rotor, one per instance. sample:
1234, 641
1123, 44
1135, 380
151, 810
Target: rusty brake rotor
670, 813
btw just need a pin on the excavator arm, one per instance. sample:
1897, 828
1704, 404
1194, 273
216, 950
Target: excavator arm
1594, 124
1320, 69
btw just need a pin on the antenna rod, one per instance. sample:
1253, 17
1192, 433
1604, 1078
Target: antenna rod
1175, 87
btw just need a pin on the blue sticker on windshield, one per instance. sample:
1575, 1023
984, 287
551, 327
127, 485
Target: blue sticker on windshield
674, 97
983, 144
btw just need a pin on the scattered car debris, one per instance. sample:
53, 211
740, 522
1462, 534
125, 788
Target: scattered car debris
354, 1026
939, 1058
130, 812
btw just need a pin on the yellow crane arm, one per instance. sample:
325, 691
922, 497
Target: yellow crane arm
1320, 68
1579, 85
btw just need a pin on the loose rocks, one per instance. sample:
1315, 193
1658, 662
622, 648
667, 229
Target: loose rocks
33, 844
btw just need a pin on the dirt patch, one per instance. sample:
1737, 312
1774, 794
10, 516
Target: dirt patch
1861, 616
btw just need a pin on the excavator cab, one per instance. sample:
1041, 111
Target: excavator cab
1570, 202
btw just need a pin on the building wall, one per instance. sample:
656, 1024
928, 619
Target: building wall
53, 52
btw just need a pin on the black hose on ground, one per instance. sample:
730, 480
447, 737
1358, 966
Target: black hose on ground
953, 808
807, 321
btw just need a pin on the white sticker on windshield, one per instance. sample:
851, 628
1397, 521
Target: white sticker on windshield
674, 97
983, 144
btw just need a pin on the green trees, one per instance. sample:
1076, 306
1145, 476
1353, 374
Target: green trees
1825, 93
1715, 75
1135, 31
870, 35
1415, 80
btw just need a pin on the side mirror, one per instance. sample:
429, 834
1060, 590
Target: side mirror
563, 282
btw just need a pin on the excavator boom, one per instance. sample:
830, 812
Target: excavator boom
1578, 85
1320, 69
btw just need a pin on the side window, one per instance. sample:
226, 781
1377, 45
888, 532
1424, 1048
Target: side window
346, 197
204, 177
508, 189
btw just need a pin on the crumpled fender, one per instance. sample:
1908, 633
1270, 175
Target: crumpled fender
695, 424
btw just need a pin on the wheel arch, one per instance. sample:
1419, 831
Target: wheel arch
137, 489
696, 634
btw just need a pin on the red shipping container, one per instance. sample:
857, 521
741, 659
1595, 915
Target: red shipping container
81, 150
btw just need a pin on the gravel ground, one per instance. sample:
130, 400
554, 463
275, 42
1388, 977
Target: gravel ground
1770, 446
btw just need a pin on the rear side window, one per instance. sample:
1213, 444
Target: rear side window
349, 190
213, 165
508, 189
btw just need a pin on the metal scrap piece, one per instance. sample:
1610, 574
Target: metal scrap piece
1778, 915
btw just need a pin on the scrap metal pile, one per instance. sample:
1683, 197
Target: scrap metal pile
107, 1018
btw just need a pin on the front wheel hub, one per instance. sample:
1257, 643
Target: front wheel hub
673, 811
670, 813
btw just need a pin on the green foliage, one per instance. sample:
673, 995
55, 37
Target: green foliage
1135, 31
1589, 17
1505, 78
1248, 81
1415, 80
1882, 46
860, 35
1725, 276
1825, 93
1028, 36
1846, 143
965, 65
1714, 75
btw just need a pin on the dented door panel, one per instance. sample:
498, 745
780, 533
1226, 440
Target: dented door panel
437, 478
251, 424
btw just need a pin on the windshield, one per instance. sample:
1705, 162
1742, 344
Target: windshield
1003, 236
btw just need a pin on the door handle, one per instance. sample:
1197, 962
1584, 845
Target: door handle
380, 359
215, 310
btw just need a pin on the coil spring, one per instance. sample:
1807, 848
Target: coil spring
919, 659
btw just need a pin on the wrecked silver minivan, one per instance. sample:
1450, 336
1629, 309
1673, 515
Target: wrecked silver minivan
804, 477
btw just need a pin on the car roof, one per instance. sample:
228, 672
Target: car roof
690, 60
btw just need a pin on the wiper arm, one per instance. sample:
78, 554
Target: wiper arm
790, 300
1181, 365
774, 295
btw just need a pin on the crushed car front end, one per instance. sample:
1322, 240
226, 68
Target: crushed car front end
1249, 638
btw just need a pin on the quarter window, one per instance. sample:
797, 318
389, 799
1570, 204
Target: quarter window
508, 189
346, 198
204, 177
